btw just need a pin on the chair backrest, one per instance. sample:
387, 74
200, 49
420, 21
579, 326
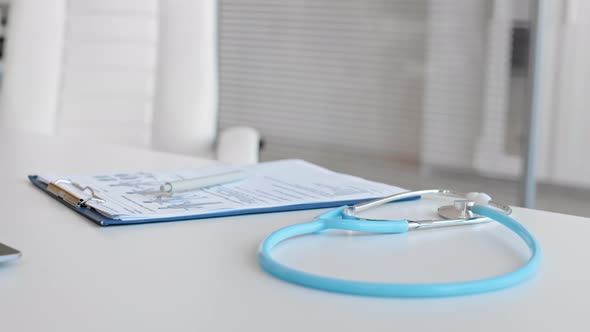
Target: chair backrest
140, 73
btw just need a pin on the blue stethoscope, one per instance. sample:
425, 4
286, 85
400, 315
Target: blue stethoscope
471, 208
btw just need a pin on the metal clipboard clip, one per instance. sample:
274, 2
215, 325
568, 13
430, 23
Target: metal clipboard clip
71, 198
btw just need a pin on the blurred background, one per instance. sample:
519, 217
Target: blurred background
415, 93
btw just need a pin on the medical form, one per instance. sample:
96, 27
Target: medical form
137, 195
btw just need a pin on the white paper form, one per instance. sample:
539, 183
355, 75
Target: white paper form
136, 195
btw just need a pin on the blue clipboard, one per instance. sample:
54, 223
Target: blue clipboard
102, 220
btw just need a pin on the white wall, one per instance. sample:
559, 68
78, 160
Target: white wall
570, 115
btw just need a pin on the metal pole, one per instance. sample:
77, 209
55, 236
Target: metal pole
529, 170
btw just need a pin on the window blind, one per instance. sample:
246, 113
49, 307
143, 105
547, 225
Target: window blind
324, 79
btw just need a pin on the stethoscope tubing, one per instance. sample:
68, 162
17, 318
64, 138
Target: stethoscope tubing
380, 289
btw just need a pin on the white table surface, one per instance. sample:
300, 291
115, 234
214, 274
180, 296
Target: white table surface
203, 275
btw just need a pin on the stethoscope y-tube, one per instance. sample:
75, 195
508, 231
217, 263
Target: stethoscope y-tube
343, 218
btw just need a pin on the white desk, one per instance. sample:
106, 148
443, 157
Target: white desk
203, 275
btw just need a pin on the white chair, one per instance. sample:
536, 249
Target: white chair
141, 73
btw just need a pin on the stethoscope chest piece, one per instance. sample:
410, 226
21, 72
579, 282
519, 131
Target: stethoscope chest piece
460, 209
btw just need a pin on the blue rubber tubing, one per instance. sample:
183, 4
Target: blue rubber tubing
286, 273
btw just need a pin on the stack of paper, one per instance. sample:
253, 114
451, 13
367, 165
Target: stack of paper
266, 187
